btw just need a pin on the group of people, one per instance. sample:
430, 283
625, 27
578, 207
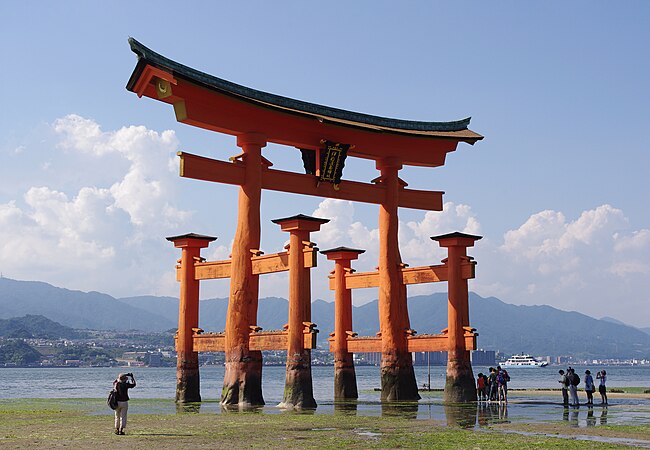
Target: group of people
493, 387
570, 381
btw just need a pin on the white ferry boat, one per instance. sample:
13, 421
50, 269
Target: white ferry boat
523, 361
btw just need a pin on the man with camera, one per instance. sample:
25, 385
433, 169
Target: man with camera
122, 386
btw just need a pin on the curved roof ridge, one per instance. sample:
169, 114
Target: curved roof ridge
148, 56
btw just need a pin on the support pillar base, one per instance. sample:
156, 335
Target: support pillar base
460, 385
398, 382
242, 382
188, 388
298, 388
345, 379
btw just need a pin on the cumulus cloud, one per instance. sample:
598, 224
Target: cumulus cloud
592, 263
98, 237
143, 191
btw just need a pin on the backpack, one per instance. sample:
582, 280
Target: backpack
506, 376
575, 380
112, 399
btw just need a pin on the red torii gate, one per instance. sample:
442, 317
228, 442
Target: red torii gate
457, 339
257, 118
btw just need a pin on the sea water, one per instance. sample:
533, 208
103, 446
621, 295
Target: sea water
73, 385
161, 382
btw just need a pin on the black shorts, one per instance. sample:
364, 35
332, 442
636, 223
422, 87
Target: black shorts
602, 389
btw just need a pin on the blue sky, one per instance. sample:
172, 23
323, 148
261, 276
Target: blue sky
559, 90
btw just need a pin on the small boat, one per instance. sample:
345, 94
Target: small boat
523, 361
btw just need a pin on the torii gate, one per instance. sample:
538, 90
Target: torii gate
457, 339
257, 118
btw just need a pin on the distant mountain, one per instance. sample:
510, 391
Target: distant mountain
539, 330
75, 309
612, 320
36, 326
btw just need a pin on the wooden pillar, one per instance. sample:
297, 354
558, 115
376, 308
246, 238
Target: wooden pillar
298, 388
397, 376
242, 384
459, 386
187, 360
345, 380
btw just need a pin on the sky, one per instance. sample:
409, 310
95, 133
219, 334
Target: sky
89, 175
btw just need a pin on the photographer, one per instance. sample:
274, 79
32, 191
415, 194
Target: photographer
122, 386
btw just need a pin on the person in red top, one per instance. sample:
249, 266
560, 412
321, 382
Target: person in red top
122, 386
480, 387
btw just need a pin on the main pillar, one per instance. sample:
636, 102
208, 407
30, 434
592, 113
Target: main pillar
187, 361
345, 379
242, 383
298, 388
459, 386
397, 376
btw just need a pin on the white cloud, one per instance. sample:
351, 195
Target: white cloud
109, 236
143, 191
593, 264
99, 237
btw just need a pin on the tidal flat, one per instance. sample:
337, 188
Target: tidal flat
87, 423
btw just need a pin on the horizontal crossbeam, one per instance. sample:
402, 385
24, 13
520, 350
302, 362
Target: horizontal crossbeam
201, 168
260, 340
422, 343
276, 262
408, 275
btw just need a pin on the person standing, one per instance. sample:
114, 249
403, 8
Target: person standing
502, 381
574, 381
602, 389
480, 387
492, 382
564, 382
122, 386
589, 387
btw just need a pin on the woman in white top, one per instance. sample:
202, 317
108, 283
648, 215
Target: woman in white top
602, 376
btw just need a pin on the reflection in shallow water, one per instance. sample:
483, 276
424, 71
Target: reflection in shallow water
185, 408
540, 409
591, 420
403, 410
346, 408
459, 415
225, 409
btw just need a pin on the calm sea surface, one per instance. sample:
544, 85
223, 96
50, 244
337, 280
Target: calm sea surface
161, 382
156, 390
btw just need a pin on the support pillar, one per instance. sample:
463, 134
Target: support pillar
298, 388
345, 379
242, 384
459, 386
397, 375
187, 361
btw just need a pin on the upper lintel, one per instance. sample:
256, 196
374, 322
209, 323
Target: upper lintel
302, 124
